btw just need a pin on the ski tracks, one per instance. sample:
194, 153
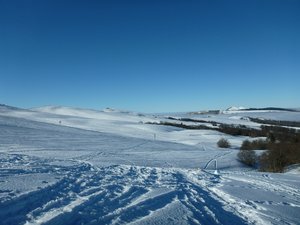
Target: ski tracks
119, 194
259, 198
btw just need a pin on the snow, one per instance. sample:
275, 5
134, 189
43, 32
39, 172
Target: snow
235, 108
108, 167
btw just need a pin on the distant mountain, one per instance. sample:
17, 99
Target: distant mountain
243, 109
206, 112
234, 108
270, 109
4, 107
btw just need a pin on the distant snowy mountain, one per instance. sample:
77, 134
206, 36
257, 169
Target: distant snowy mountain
240, 109
235, 108
4, 108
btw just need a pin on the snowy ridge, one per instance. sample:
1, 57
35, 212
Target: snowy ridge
235, 108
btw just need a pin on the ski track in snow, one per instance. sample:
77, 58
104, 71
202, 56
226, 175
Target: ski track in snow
114, 195
123, 194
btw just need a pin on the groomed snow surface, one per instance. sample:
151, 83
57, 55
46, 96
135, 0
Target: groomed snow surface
62, 165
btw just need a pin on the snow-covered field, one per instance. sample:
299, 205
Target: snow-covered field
61, 165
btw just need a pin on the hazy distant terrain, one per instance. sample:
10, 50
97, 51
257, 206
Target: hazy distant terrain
62, 165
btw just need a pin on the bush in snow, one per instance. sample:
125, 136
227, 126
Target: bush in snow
280, 155
223, 143
258, 144
247, 157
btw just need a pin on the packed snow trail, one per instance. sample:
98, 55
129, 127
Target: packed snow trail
124, 194
119, 194
116, 195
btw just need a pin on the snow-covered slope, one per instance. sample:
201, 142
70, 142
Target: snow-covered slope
117, 122
265, 113
235, 108
61, 165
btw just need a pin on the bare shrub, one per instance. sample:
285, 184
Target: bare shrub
223, 143
258, 144
247, 157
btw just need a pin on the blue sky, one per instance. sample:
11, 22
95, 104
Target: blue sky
151, 56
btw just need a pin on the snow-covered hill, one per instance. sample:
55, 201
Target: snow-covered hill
62, 165
235, 108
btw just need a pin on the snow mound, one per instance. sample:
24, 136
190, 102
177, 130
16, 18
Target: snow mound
293, 169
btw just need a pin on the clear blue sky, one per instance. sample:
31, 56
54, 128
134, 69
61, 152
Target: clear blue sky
150, 55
